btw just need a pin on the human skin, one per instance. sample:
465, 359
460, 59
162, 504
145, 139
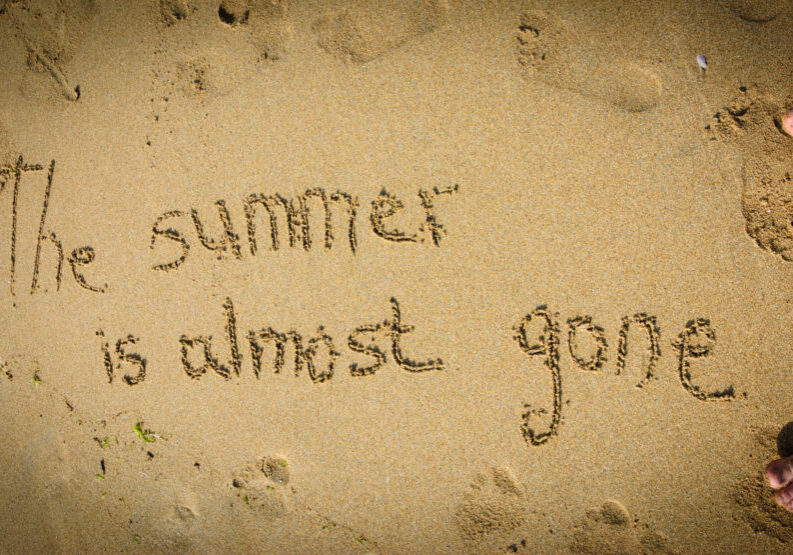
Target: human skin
779, 474
787, 123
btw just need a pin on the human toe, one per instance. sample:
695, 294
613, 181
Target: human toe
784, 497
779, 473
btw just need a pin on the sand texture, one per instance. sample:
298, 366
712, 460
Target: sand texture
429, 276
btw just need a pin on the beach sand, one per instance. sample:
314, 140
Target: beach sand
402, 276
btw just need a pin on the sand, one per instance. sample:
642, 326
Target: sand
405, 276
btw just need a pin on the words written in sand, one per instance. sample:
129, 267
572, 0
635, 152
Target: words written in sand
282, 223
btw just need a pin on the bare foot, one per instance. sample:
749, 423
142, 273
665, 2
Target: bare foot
780, 475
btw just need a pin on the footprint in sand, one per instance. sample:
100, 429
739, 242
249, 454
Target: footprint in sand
371, 29
168, 519
261, 486
758, 11
174, 11
492, 509
263, 20
206, 52
50, 477
611, 529
767, 175
195, 76
752, 122
208, 46
51, 32
767, 200
744, 115
754, 498
266, 494
549, 50
751, 118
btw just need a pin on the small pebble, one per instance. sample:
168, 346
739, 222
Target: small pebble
702, 61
